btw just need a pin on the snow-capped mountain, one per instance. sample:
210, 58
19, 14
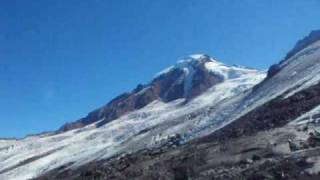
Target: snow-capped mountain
189, 78
199, 119
177, 101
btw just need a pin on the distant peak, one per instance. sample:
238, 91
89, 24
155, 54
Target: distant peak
191, 61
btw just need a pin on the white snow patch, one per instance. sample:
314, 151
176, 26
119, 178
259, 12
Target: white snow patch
316, 167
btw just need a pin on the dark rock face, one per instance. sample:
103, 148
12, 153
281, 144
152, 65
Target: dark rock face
273, 70
169, 86
201, 82
166, 87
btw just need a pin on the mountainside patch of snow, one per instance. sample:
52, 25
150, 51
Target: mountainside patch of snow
311, 116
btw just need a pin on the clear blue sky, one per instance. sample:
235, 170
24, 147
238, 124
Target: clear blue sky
60, 59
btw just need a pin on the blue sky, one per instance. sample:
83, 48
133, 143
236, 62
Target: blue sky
60, 59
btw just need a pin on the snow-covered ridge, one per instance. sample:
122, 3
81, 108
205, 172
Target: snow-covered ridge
313, 37
228, 72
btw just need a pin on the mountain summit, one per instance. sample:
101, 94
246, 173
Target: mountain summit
174, 108
193, 75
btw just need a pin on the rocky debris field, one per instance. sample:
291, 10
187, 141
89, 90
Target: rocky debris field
266, 155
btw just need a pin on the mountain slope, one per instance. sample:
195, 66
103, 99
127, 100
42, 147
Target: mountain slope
175, 106
250, 134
